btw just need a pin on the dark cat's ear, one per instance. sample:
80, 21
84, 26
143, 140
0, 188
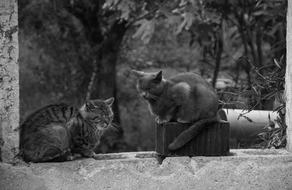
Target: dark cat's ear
137, 73
110, 101
158, 77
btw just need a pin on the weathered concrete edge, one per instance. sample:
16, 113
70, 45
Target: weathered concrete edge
234, 153
245, 169
138, 156
288, 77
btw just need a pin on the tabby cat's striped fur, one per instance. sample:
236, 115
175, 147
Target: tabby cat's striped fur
57, 132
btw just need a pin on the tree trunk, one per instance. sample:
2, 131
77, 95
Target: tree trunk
106, 49
105, 85
219, 51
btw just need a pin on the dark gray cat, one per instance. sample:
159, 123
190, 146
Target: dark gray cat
184, 98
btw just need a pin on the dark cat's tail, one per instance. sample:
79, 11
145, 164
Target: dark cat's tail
190, 133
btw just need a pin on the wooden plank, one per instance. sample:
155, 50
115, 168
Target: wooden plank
212, 141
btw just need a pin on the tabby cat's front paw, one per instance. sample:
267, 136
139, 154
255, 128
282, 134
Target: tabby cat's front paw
88, 154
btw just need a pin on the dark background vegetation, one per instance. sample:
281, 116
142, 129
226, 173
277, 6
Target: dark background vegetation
71, 50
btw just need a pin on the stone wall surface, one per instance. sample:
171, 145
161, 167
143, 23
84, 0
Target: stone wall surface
288, 77
246, 169
9, 77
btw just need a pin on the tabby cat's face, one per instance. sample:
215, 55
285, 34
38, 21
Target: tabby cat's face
149, 85
98, 112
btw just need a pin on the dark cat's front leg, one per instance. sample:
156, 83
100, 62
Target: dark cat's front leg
160, 120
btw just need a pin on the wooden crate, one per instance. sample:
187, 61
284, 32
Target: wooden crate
212, 141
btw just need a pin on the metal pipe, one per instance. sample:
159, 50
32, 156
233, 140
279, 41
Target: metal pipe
247, 127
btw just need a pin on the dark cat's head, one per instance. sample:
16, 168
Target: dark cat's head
149, 85
98, 112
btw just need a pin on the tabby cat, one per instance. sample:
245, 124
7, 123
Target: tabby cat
58, 132
184, 98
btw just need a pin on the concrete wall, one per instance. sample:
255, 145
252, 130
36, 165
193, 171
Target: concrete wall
288, 80
9, 86
246, 169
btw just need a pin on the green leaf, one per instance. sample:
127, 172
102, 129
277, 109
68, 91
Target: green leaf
145, 30
109, 4
247, 118
188, 19
125, 6
277, 63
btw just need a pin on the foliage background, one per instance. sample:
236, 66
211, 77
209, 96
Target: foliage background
62, 43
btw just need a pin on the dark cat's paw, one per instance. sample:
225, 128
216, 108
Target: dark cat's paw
160, 158
182, 121
160, 121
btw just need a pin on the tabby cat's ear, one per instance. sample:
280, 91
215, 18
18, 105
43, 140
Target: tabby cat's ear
137, 73
158, 77
110, 101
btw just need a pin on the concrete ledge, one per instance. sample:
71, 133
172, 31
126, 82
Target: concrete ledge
245, 169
